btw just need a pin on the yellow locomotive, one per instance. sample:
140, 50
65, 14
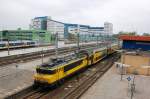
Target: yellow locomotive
60, 68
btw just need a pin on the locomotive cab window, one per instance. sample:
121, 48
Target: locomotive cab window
45, 71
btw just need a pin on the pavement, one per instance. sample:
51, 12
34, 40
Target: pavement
14, 79
35, 49
110, 86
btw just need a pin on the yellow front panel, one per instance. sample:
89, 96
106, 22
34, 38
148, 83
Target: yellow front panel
45, 78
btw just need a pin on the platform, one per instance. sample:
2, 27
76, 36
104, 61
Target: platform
35, 49
110, 86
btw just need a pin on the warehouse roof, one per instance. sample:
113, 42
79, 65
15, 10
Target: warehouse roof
135, 38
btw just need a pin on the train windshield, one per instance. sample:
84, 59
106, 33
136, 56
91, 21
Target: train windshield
45, 71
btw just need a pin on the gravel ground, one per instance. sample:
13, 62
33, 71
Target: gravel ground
13, 79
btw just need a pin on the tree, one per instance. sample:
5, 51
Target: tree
127, 33
115, 35
72, 36
146, 34
123, 33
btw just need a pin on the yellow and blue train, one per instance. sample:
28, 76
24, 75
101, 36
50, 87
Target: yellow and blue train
60, 68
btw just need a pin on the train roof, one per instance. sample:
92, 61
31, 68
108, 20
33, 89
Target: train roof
135, 38
114, 44
99, 49
59, 61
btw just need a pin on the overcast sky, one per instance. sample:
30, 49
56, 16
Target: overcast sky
126, 15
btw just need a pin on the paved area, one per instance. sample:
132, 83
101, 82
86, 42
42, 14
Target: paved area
110, 87
29, 50
13, 79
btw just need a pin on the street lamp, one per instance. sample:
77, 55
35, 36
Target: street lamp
78, 37
56, 44
7, 33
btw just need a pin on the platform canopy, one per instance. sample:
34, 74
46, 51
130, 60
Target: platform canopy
135, 38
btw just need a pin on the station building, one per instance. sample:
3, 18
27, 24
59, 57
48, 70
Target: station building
136, 42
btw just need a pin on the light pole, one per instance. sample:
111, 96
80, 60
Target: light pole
123, 59
8, 46
42, 56
97, 40
56, 44
78, 37
7, 33
1, 36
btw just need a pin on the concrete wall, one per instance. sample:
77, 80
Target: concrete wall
137, 64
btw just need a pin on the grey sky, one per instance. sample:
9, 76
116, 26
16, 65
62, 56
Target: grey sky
127, 15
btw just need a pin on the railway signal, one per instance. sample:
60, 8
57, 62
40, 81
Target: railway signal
129, 78
131, 82
78, 34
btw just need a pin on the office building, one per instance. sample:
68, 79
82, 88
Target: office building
66, 30
108, 28
39, 23
40, 36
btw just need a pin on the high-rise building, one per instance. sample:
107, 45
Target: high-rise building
56, 27
108, 28
39, 23
96, 31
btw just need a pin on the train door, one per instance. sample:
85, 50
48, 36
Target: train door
94, 57
59, 73
91, 59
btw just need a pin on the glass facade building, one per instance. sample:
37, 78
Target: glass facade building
40, 36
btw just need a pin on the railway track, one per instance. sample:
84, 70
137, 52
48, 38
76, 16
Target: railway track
36, 55
78, 86
78, 91
36, 94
